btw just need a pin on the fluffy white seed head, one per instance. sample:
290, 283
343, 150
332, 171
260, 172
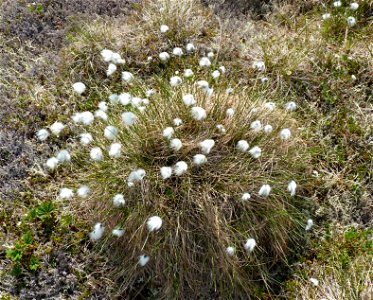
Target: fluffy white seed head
242, 146
66, 193
166, 172
180, 168
222, 69
164, 28
177, 122
136, 176
351, 21
204, 62
100, 114
110, 132
85, 118
86, 138
118, 200
164, 56
96, 154
129, 118
309, 224
63, 156
79, 87
285, 134
230, 250
56, 128
115, 150
230, 112
118, 232
97, 232
198, 113
292, 187
176, 144
117, 59
210, 54
103, 106
107, 55
136, 101
314, 281
256, 125
188, 73
245, 197
264, 80
83, 191
255, 152
52, 163
268, 128
265, 190
177, 51
114, 98
206, 145
337, 3
143, 260
229, 91
190, 47
125, 98
189, 100
175, 81
202, 84
250, 244
111, 69
154, 223
354, 6
326, 16
270, 106
127, 76
221, 128
42, 134
215, 74
168, 132
199, 159
259, 65
290, 106
149, 93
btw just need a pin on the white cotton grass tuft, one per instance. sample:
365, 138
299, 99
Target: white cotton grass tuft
255, 152
351, 21
202, 84
326, 16
154, 223
118, 200
206, 145
215, 74
168, 132
285, 134
63, 156
250, 245
229, 91
96, 154
198, 113
85, 138
204, 62
188, 73
125, 99
270, 106
150, 93
177, 122
52, 163
143, 260
114, 98
85, 118
127, 76
190, 47
164, 28
177, 51
337, 3
100, 114
222, 69
118, 232
290, 106
265, 190
110, 132
210, 54
229, 113
314, 281
292, 187
230, 250
79, 87
115, 150
309, 225
111, 69
164, 56
97, 232
180, 168
199, 159
245, 197
176, 144
354, 6
166, 172
135, 176
256, 125
242, 146
66, 193
129, 118
189, 100
103, 106
221, 128
268, 129
175, 81
117, 59
107, 55
42, 134
264, 80
56, 128
83, 191
259, 66
136, 101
